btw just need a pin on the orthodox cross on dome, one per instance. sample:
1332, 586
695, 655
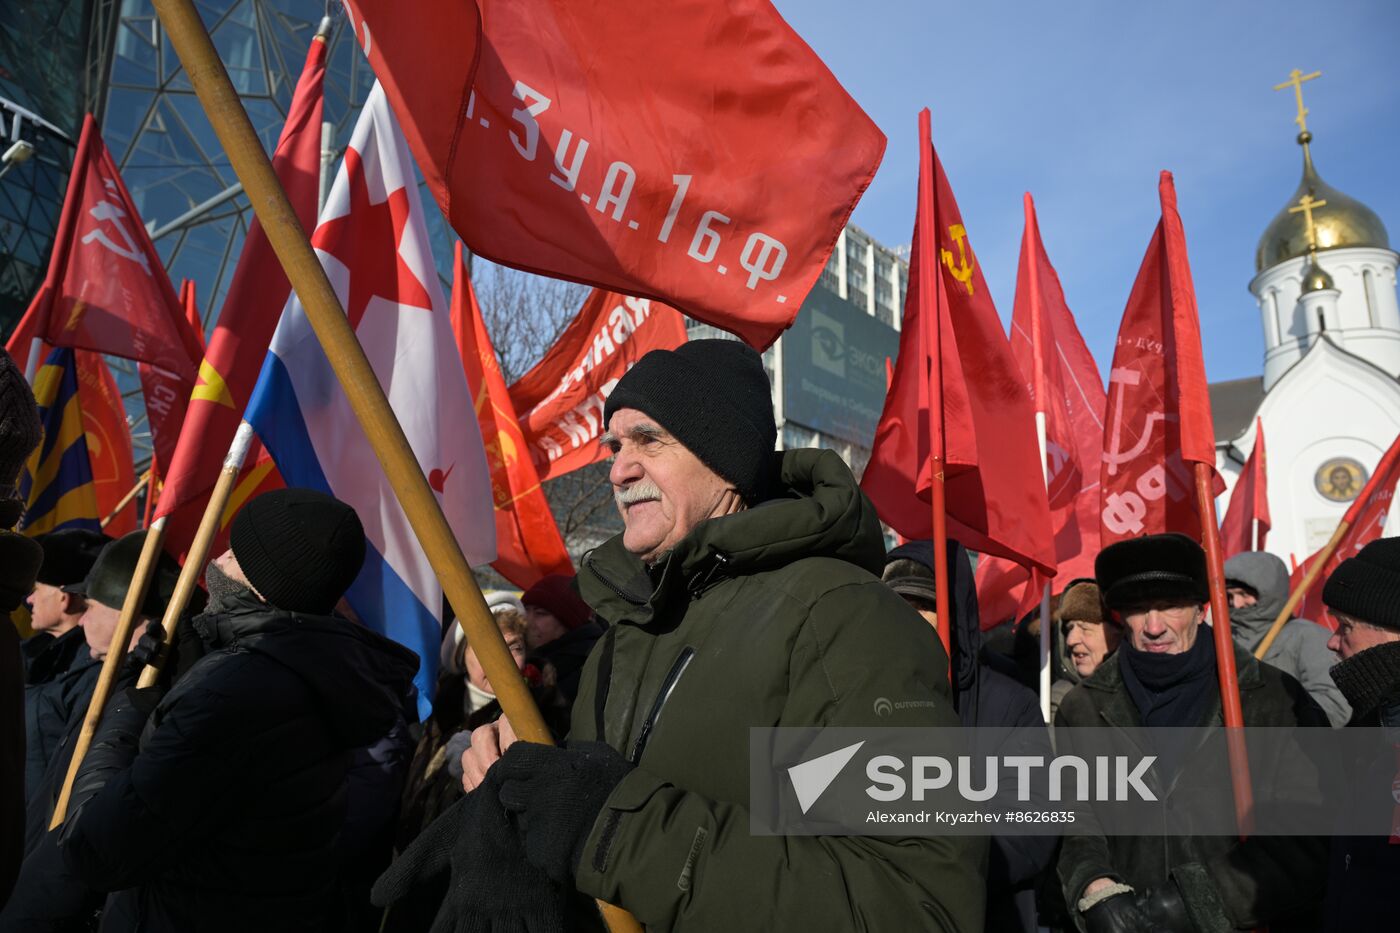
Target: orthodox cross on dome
1306, 205
1295, 81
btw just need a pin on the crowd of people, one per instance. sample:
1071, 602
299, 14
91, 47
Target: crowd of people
277, 776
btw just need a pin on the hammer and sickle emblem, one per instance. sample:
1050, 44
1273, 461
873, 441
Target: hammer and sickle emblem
966, 262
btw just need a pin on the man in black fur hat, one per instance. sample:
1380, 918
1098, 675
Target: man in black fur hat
1164, 675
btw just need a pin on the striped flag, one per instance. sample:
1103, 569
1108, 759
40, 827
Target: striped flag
373, 243
57, 483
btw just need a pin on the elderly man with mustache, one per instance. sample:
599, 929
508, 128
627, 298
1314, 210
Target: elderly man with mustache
743, 592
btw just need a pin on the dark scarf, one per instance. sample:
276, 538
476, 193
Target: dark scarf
1370, 680
1170, 689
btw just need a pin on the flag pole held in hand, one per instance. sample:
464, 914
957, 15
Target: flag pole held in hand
347, 358
199, 548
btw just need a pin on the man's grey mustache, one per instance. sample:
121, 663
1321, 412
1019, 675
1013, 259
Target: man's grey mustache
641, 491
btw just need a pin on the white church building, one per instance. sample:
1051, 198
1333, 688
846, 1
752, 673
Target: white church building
1329, 396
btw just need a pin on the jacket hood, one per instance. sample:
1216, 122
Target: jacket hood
966, 630
362, 682
816, 510
1266, 575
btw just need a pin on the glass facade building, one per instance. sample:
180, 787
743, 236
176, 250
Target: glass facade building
112, 58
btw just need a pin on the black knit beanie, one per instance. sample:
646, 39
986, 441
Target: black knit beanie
1140, 571
20, 433
1367, 585
300, 549
714, 397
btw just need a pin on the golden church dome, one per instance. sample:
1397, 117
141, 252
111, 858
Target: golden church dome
1316, 278
1341, 222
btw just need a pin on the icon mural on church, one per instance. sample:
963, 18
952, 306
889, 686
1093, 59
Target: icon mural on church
1340, 479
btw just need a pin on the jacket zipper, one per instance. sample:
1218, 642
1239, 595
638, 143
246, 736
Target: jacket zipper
668, 686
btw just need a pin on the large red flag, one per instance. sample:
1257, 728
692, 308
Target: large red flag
105, 289
108, 441
696, 153
1065, 386
238, 344
560, 400
528, 543
1366, 518
996, 501
1249, 503
1158, 415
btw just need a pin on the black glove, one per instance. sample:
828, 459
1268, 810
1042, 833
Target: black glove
150, 648
492, 888
1160, 910
555, 793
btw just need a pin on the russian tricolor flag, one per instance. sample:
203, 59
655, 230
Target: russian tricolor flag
373, 243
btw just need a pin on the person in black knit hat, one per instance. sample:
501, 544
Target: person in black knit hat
1363, 597
221, 805
743, 589
1164, 675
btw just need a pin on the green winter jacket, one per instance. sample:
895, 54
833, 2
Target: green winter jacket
769, 617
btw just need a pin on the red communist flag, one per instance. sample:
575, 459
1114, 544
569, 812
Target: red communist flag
1249, 503
528, 543
693, 153
996, 500
106, 289
108, 441
560, 400
1158, 417
1365, 520
1067, 390
238, 343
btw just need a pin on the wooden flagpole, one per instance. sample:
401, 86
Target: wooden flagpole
357, 378
1308, 582
126, 499
930, 314
199, 548
111, 665
1231, 709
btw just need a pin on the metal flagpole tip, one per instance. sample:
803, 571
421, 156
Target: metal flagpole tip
323, 31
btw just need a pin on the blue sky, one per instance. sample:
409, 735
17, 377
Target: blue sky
1083, 102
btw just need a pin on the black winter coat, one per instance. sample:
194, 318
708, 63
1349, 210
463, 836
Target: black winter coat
227, 817
1273, 881
988, 698
52, 704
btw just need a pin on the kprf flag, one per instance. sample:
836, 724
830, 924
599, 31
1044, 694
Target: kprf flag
691, 152
1366, 518
238, 344
1065, 387
1249, 503
105, 289
56, 484
975, 395
528, 543
374, 246
1158, 420
561, 399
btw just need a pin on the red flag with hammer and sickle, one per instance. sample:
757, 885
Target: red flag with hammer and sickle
1158, 421
996, 500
